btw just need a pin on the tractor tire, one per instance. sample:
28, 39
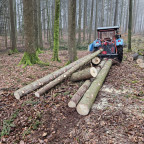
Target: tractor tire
120, 53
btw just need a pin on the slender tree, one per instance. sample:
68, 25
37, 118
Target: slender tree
96, 18
79, 37
116, 13
13, 30
56, 31
90, 28
84, 19
130, 25
71, 31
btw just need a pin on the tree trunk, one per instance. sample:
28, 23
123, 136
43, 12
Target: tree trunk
96, 61
13, 30
40, 25
66, 74
89, 97
84, 19
71, 31
30, 57
116, 13
39, 83
96, 19
87, 73
80, 11
141, 65
140, 59
91, 21
130, 26
133, 57
56, 31
78, 95
84, 74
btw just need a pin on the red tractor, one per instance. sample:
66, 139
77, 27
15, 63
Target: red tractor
110, 41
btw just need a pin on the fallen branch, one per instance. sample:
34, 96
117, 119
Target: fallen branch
140, 59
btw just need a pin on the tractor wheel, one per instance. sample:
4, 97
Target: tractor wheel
120, 53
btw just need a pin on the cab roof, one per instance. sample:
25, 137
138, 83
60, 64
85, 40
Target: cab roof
108, 28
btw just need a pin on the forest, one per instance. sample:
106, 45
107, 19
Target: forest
71, 71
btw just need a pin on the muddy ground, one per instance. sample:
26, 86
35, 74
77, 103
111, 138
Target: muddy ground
117, 116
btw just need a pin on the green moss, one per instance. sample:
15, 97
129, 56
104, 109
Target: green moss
30, 59
56, 31
10, 52
39, 51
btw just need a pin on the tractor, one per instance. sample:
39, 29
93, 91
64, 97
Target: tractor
110, 41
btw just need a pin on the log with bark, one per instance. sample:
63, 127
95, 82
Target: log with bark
87, 73
89, 97
141, 65
45, 80
81, 91
133, 57
96, 61
62, 77
140, 59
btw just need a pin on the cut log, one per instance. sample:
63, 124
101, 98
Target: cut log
133, 57
66, 74
45, 80
87, 73
84, 74
96, 61
78, 95
89, 97
141, 65
140, 59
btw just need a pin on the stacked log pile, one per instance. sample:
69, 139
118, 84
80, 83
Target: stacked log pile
138, 58
84, 98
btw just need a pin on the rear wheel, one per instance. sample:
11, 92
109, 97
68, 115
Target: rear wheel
120, 53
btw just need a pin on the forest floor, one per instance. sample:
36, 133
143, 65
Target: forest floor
117, 116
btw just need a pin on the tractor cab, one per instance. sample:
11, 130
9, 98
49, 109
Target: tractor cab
110, 41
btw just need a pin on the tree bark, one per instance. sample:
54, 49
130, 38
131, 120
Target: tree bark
71, 31
133, 57
116, 13
85, 104
140, 59
80, 11
96, 19
141, 65
78, 95
56, 31
130, 26
66, 74
91, 21
84, 19
40, 82
13, 30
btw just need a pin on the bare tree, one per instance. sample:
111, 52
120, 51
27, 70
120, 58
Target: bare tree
71, 31
130, 25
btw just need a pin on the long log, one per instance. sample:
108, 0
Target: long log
140, 59
133, 57
96, 61
77, 96
85, 104
62, 77
45, 80
86, 73
81, 91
